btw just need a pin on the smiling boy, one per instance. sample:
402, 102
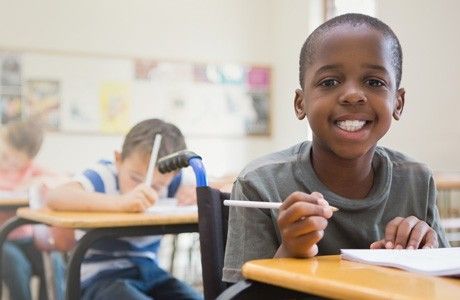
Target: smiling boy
350, 72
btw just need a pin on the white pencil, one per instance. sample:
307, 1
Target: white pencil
153, 159
260, 204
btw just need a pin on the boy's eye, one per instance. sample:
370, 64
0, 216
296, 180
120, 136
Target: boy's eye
375, 82
329, 83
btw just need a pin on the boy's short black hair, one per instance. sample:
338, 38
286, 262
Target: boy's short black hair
25, 136
308, 48
140, 138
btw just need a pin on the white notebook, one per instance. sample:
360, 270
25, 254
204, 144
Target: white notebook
169, 206
438, 262
13, 194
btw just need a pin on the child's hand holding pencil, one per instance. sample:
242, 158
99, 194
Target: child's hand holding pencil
302, 219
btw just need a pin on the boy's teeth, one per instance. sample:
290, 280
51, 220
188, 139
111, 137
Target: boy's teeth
351, 125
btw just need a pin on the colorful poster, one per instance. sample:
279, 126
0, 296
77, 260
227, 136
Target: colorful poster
80, 110
11, 104
10, 70
115, 106
11, 108
104, 95
210, 99
43, 100
143, 68
258, 83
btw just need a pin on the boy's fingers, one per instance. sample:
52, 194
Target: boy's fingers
305, 226
431, 239
300, 210
146, 203
317, 195
404, 231
417, 234
308, 240
315, 198
390, 232
312, 251
378, 245
149, 194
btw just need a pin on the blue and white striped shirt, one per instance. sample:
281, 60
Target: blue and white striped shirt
108, 255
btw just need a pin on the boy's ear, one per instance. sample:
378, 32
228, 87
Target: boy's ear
118, 159
299, 104
399, 105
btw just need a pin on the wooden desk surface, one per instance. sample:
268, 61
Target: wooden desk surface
102, 220
447, 181
331, 277
14, 202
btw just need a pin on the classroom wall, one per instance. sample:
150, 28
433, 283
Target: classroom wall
429, 129
210, 31
240, 31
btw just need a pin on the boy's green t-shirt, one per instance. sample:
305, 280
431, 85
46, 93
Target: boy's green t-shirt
402, 187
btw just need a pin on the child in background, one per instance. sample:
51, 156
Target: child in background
126, 268
19, 144
350, 71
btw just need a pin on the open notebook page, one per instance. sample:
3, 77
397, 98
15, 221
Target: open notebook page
439, 262
13, 194
169, 206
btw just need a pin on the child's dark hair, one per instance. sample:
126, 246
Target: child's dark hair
309, 47
25, 136
140, 138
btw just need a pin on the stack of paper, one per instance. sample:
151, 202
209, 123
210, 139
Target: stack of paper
13, 194
169, 206
438, 262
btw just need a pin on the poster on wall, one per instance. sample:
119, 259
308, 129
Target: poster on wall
258, 83
115, 107
11, 103
210, 99
42, 99
80, 107
106, 95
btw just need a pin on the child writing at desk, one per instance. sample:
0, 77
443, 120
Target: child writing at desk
350, 72
20, 141
126, 268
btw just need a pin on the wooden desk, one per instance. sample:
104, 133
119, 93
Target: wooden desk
448, 185
84, 220
97, 226
328, 276
10, 203
447, 181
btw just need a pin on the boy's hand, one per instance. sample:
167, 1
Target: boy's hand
408, 233
302, 220
139, 199
186, 195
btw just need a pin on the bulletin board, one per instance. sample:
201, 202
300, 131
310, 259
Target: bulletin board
107, 95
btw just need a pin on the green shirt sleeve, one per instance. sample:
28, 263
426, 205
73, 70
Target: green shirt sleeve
251, 233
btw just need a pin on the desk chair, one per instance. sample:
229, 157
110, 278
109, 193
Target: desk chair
213, 225
212, 220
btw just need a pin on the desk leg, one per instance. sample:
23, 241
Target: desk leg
50, 277
5, 229
73, 276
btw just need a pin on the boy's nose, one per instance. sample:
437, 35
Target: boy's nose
352, 95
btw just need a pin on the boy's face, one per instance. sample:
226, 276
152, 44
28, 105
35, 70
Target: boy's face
132, 172
349, 94
12, 159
